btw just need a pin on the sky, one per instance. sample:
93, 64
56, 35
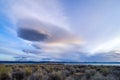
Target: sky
60, 30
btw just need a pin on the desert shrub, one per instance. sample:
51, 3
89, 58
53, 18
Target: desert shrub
5, 77
34, 69
92, 71
28, 71
38, 76
98, 68
88, 74
115, 71
58, 72
72, 71
104, 71
82, 70
66, 73
18, 74
111, 77
48, 69
98, 76
56, 76
78, 76
69, 78
5, 72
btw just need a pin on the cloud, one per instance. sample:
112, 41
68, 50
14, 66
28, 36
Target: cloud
42, 25
54, 33
27, 51
56, 40
18, 58
36, 46
43, 10
31, 35
106, 46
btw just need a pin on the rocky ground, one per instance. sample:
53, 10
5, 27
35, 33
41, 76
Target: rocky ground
58, 72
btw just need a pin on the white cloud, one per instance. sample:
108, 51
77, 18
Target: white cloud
106, 46
43, 10
94, 23
33, 13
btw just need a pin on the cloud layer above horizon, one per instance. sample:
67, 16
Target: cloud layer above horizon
58, 30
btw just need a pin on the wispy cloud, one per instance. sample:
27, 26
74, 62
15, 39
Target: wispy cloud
43, 10
106, 46
52, 30
42, 24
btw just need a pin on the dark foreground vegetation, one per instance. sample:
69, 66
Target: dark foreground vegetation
58, 72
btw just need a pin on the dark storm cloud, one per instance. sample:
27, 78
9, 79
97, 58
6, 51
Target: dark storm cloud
31, 35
